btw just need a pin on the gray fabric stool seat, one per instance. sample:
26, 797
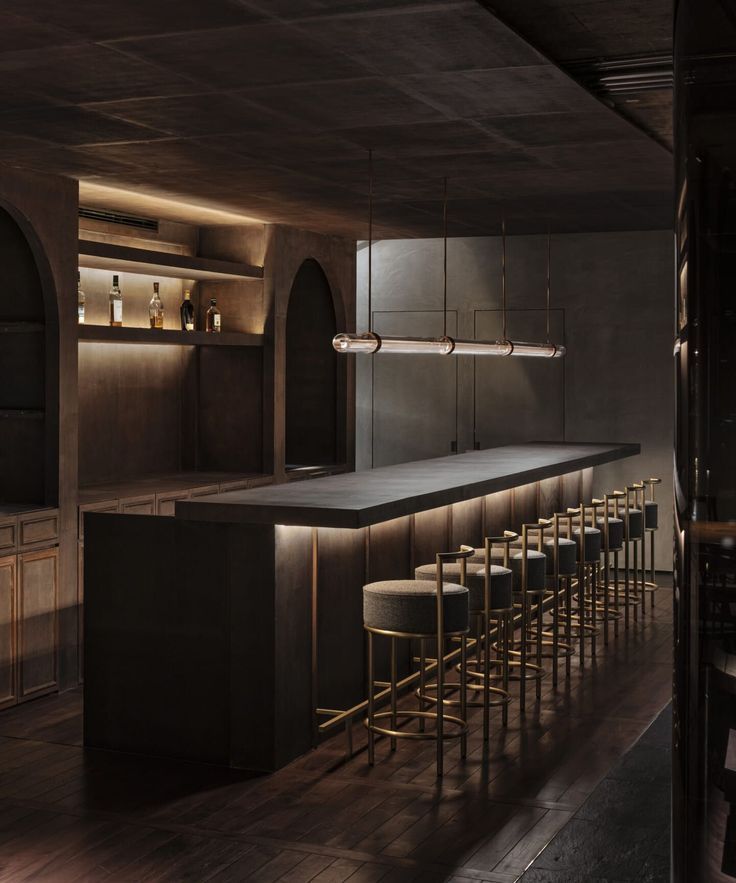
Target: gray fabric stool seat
410, 606
651, 515
591, 544
567, 553
536, 570
475, 577
636, 525
615, 533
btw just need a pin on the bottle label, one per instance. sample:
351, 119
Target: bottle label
216, 321
189, 326
80, 314
117, 311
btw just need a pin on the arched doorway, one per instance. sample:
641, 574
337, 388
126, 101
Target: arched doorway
28, 391
312, 407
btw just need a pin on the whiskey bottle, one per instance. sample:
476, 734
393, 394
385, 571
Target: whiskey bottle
80, 300
116, 303
187, 312
156, 309
214, 319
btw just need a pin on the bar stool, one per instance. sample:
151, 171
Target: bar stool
589, 562
490, 603
417, 609
633, 534
612, 532
528, 568
561, 567
651, 524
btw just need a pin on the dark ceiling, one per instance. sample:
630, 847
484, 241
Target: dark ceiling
267, 107
590, 37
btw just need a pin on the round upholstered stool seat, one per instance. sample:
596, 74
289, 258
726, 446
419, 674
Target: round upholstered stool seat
591, 544
409, 606
651, 515
615, 533
636, 525
536, 570
475, 578
567, 553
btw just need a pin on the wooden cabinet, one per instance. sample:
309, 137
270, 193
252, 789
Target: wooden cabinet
37, 622
8, 635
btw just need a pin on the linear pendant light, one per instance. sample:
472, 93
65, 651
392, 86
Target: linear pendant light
369, 342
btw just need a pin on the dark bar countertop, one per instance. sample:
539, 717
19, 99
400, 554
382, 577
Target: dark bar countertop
359, 499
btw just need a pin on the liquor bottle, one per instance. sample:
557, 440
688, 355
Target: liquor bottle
80, 300
156, 309
187, 312
116, 303
214, 319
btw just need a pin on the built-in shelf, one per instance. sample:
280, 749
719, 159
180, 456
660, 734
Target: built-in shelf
21, 327
21, 414
112, 334
125, 259
168, 482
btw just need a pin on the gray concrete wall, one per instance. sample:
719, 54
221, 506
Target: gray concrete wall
612, 299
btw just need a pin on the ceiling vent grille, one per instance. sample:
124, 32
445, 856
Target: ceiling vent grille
107, 217
623, 76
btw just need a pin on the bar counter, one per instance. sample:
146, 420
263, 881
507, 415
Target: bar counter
227, 633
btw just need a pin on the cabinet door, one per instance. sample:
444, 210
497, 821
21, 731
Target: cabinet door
8, 686
37, 621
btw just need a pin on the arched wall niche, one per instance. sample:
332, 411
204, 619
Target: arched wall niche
29, 358
314, 383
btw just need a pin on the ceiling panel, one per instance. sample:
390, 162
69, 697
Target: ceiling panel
266, 108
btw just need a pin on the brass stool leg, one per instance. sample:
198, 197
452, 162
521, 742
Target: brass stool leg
440, 711
371, 688
643, 575
507, 620
522, 684
463, 693
627, 588
653, 573
539, 646
394, 697
616, 592
606, 600
422, 681
581, 611
636, 581
555, 631
486, 680
568, 625
594, 607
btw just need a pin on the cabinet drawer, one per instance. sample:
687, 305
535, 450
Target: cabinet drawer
37, 528
166, 503
37, 622
8, 536
144, 505
106, 506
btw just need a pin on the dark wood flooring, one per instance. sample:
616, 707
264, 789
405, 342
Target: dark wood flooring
70, 814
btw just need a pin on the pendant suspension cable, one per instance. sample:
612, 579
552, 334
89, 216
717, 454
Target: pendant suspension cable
370, 241
444, 263
549, 250
503, 279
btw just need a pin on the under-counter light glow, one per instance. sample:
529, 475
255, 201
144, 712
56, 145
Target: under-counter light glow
443, 346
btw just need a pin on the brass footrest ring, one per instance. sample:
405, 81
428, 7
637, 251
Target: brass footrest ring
461, 725
503, 697
650, 586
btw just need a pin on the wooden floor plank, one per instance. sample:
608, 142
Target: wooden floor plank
69, 814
